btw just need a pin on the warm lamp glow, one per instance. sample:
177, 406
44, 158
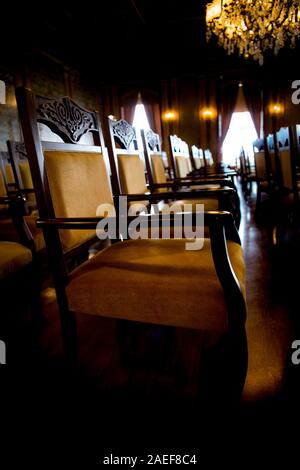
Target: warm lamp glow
208, 113
276, 108
170, 115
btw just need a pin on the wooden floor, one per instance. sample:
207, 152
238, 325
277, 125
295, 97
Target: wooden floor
106, 407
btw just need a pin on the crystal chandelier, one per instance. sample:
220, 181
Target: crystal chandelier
253, 26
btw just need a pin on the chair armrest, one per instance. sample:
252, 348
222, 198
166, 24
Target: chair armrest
218, 192
84, 223
192, 182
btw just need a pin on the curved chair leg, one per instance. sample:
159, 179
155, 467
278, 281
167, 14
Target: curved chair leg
225, 372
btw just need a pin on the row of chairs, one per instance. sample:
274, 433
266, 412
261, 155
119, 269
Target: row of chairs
150, 281
276, 173
128, 173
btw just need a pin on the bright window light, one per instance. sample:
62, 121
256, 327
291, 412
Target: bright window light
140, 120
241, 133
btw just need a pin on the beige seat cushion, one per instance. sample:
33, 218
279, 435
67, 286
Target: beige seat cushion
13, 257
155, 281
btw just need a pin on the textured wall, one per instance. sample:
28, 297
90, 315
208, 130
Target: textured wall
9, 125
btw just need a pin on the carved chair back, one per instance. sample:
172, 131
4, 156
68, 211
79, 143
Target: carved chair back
198, 157
154, 158
126, 158
180, 157
287, 160
70, 179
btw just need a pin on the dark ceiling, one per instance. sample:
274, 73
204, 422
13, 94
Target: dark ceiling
130, 38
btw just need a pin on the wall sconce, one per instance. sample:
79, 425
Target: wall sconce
276, 108
112, 117
208, 113
2, 92
170, 115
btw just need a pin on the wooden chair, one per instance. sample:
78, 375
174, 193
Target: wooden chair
180, 157
23, 186
261, 172
146, 281
283, 160
129, 177
19, 284
214, 190
7, 172
21, 171
273, 162
209, 161
287, 154
8, 229
183, 162
127, 163
296, 140
198, 158
247, 176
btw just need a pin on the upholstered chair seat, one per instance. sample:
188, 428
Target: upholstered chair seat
159, 176
13, 257
165, 272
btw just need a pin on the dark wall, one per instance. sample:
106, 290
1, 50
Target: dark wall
185, 93
9, 124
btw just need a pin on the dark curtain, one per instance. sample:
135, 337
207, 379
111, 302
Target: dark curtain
153, 115
228, 102
128, 107
253, 97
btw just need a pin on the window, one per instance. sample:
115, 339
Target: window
140, 120
241, 133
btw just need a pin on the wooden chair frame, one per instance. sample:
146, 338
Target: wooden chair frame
70, 121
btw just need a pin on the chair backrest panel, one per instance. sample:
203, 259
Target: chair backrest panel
64, 172
287, 159
158, 169
68, 173
180, 156
154, 158
131, 174
198, 157
260, 165
286, 168
126, 158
